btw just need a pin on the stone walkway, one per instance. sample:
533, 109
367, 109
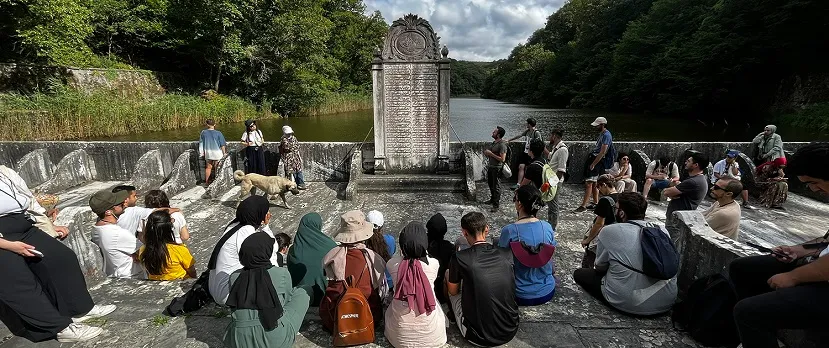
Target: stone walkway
571, 319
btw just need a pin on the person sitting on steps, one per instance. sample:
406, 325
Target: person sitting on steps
605, 216
660, 174
524, 160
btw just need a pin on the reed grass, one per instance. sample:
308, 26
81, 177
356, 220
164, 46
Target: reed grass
814, 116
69, 114
334, 103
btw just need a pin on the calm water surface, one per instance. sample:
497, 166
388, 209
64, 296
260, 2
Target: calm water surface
473, 120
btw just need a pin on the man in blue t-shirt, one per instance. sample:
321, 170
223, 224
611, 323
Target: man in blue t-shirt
212, 147
599, 161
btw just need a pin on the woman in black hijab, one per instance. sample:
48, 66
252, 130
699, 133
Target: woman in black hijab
267, 312
440, 249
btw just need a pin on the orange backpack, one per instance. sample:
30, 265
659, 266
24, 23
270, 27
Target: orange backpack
354, 324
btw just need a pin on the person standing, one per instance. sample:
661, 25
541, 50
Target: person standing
688, 193
558, 161
525, 159
497, 154
254, 151
600, 160
212, 147
728, 168
769, 145
724, 215
289, 150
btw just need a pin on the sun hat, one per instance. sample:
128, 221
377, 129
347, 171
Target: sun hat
353, 228
598, 121
104, 200
287, 130
375, 217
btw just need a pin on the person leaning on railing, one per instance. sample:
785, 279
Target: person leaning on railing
789, 289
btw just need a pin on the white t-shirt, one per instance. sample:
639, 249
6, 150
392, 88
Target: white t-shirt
558, 158
134, 218
616, 170
255, 137
228, 261
117, 246
178, 223
653, 170
721, 169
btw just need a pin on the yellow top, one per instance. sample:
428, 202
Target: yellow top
180, 261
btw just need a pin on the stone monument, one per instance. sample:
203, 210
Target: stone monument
411, 100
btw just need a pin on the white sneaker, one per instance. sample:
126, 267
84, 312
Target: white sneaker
96, 312
78, 332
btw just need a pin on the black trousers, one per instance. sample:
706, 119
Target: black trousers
591, 281
761, 311
256, 159
39, 296
493, 179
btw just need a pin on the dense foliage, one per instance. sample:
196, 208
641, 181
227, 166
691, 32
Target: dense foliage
468, 77
291, 53
700, 57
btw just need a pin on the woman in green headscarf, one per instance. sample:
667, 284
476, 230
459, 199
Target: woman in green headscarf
305, 256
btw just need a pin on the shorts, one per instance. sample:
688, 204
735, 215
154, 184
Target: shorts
525, 159
593, 175
661, 184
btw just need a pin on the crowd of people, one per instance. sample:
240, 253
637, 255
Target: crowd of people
359, 282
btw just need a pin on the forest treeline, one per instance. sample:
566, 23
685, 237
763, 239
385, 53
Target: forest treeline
705, 58
288, 54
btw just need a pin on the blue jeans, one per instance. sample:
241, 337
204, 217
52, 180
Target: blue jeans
297, 177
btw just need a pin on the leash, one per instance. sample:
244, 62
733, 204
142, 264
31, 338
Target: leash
359, 147
463, 145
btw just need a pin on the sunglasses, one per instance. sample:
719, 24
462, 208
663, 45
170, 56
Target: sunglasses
514, 199
718, 188
625, 159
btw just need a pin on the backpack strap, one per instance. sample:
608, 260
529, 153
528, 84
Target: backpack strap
215, 254
641, 227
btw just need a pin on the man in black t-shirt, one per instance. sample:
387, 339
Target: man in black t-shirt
535, 172
689, 193
485, 308
605, 215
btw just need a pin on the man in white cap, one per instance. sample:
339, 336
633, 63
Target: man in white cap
289, 148
600, 159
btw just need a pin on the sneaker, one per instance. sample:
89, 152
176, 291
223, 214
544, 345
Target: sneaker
488, 202
515, 187
96, 312
591, 206
301, 187
747, 206
580, 209
78, 332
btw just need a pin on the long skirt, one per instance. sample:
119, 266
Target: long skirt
255, 159
39, 296
773, 193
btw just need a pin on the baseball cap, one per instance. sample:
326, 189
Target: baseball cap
598, 121
287, 130
732, 153
376, 218
104, 200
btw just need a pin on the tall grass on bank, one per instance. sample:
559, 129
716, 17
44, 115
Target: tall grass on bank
815, 117
69, 114
333, 103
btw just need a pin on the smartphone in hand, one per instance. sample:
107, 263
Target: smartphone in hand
37, 253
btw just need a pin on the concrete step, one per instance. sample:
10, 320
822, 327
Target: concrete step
411, 183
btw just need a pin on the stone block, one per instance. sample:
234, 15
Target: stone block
79, 220
355, 172
223, 181
470, 175
183, 176
703, 251
74, 169
35, 167
149, 171
639, 162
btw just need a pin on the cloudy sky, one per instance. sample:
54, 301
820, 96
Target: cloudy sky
479, 30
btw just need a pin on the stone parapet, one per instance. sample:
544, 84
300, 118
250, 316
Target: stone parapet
183, 175
74, 169
35, 167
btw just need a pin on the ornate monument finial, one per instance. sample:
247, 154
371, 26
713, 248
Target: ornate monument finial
444, 51
411, 38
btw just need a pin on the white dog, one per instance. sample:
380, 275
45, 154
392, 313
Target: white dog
272, 185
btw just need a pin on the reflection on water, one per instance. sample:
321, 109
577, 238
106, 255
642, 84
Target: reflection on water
474, 119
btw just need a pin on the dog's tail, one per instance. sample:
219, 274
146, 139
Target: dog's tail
238, 175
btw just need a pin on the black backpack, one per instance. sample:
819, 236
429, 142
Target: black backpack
660, 259
706, 312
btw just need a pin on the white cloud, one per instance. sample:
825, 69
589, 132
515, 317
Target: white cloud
480, 30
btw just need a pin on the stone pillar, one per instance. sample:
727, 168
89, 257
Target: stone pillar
379, 115
443, 113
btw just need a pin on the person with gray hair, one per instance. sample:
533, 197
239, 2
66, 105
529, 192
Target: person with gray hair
724, 215
769, 145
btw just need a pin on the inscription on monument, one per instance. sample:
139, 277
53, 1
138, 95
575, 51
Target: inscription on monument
411, 101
